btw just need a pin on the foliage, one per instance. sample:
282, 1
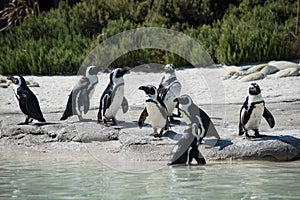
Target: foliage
232, 32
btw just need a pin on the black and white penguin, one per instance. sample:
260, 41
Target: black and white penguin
79, 98
252, 111
193, 114
155, 109
187, 148
169, 89
113, 97
28, 102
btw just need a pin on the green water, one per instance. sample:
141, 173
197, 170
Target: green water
72, 177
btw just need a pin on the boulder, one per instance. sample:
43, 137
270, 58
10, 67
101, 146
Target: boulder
228, 74
269, 69
286, 73
256, 68
281, 65
253, 77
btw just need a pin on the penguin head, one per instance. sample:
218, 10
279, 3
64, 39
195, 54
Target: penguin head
17, 80
150, 90
91, 70
254, 89
185, 101
169, 68
117, 74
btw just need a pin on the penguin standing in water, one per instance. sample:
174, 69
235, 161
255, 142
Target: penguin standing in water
79, 98
187, 148
155, 109
168, 90
252, 111
193, 114
28, 102
113, 97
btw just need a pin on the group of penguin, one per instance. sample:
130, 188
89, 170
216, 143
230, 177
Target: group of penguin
160, 104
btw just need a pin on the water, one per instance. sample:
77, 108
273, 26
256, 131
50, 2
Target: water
83, 177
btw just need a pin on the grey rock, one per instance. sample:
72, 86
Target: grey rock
281, 65
269, 69
286, 73
256, 68
253, 77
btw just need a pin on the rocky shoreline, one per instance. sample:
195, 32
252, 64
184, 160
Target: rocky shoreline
127, 141
130, 142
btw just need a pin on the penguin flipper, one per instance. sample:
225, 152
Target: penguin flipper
269, 117
84, 98
210, 129
124, 105
106, 103
33, 107
143, 118
68, 111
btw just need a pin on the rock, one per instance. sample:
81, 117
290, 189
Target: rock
32, 83
273, 148
3, 79
286, 73
269, 69
256, 68
253, 77
281, 65
228, 74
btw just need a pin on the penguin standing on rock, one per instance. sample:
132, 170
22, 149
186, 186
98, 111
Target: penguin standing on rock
113, 97
79, 98
193, 114
169, 89
28, 102
155, 109
187, 148
252, 111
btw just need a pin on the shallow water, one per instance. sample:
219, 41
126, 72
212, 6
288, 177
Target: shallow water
84, 177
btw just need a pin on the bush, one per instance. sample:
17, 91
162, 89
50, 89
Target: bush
232, 32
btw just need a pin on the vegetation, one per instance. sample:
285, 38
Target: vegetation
232, 31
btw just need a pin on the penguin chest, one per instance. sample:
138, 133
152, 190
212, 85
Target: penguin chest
156, 115
116, 101
255, 117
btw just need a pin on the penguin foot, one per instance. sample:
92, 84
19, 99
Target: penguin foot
23, 123
157, 135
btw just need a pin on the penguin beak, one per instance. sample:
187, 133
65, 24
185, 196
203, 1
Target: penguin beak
144, 88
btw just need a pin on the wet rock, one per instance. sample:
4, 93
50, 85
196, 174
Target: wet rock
273, 148
269, 69
253, 77
286, 73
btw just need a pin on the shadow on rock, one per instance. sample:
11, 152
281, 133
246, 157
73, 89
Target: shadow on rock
288, 139
223, 143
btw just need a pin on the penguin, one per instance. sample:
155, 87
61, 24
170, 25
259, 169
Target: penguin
193, 114
168, 90
28, 102
187, 148
79, 98
155, 109
252, 112
113, 97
